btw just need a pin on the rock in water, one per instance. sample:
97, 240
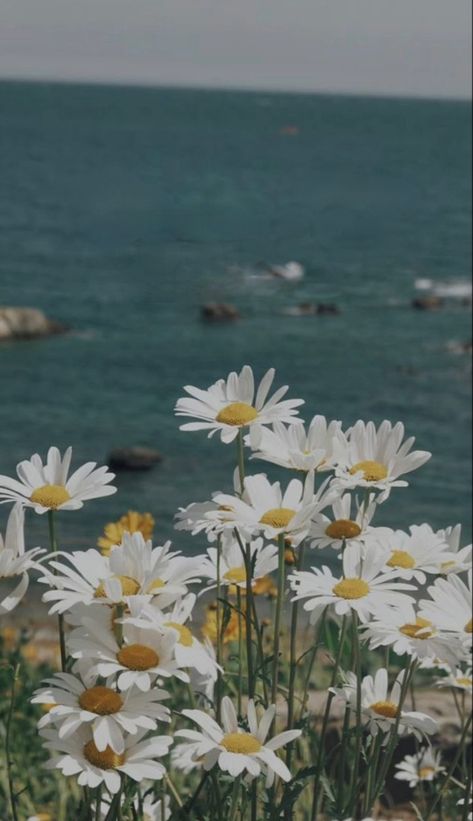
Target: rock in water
27, 323
219, 312
134, 458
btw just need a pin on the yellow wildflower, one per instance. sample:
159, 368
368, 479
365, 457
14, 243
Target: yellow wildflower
131, 522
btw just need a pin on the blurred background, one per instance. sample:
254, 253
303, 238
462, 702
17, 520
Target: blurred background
162, 160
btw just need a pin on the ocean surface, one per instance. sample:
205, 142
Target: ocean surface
123, 210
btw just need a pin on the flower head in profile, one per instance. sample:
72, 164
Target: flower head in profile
49, 487
15, 561
230, 563
294, 447
409, 634
449, 607
422, 766
78, 755
457, 678
265, 508
131, 522
110, 715
235, 749
460, 558
375, 458
232, 404
380, 706
412, 555
363, 587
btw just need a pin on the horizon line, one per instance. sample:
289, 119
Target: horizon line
153, 85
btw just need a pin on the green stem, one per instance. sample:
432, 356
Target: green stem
330, 698
450, 771
293, 661
240, 650
218, 693
53, 547
11, 788
248, 616
277, 619
358, 732
319, 631
98, 801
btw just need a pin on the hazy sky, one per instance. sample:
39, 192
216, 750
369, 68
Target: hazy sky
419, 47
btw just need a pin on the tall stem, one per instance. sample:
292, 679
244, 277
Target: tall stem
330, 698
11, 787
358, 732
248, 616
218, 688
277, 619
240, 649
450, 771
53, 548
318, 634
293, 660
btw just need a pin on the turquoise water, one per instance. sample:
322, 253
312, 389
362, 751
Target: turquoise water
123, 210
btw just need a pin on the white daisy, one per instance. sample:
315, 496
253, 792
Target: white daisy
458, 679
461, 557
423, 766
189, 652
380, 709
449, 607
232, 565
363, 588
374, 459
78, 755
14, 561
236, 750
109, 714
412, 555
230, 405
186, 757
266, 509
133, 568
295, 448
402, 629
48, 487
344, 528
146, 654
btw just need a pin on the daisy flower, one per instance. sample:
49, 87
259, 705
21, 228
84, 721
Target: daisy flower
48, 487
14, 561
374, 459
363, 588
423, 766
449, 607
109, 714
131, 522
458, 679
460, 557
78, 755
185, 756
412, 555
234, 749
231, 563
402, 629
295, 448
188, 650
344, 528
380, 709
146, 654
266, 509
231, 404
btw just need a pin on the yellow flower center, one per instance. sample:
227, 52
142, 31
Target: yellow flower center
417, 630
464, 682
101, 700
278, 517
343, 529
469, 627
351, 589
243, 743
425, 772
372, 471
235, 574
401, 558
51, 496
156, 585
138, 657
185, 635
128, 585
106, 759
237, 414
387, 709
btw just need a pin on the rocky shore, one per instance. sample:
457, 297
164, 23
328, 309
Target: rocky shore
27, 323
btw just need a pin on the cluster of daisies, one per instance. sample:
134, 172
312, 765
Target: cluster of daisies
126, 609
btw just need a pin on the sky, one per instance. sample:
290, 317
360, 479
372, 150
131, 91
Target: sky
400, 47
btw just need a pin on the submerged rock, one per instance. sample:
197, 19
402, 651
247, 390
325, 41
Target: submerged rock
133, 458
427, 303
27, 323
313, 309
219, 311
